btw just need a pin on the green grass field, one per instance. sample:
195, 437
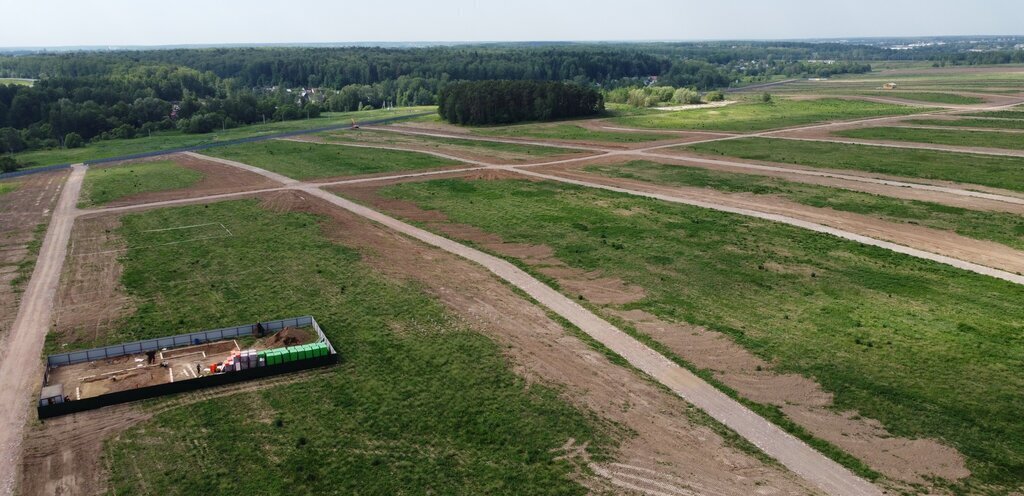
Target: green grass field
421, 404
929, 350
921, 96
569, 132
761, 116
166, 140
440, 143
979, 123
316, 161
988, 170
105, 184
1002, 228
953, 137
8, 187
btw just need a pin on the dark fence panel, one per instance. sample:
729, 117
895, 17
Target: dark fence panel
50, 411
73, 357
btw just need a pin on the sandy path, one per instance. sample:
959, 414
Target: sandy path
811, 226
788, 450
21, 364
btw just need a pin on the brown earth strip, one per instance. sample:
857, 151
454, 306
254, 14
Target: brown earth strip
21, 211
90, 299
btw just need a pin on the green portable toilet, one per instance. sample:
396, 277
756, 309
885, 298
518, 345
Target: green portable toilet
322, 350
308, 351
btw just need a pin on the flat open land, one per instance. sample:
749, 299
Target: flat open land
761, 116
370, 304
816, 295
785, 294
997, 172
320, 161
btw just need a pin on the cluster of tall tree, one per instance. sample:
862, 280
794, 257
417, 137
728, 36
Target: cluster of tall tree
504, 102
133, 102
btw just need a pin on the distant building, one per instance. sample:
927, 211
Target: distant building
889, 86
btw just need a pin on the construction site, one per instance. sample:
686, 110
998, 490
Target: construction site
82, 380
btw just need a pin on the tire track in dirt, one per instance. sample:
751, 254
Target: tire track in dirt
24, 342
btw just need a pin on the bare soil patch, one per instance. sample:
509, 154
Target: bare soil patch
21, 211
90, 298
802, 399
664, 449
217, 179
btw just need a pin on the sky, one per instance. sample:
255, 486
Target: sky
38, 23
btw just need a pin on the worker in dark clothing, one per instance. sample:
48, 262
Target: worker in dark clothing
151, 356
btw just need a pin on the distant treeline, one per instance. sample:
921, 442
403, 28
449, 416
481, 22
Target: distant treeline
504, 102
120, 94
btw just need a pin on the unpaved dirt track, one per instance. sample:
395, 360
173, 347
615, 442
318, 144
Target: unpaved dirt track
21, 364
788, 450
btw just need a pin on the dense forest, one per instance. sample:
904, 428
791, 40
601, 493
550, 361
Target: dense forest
90, 95
505, 101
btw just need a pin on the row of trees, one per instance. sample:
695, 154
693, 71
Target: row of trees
504, 102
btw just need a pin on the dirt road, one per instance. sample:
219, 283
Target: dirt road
788, 450
20, 367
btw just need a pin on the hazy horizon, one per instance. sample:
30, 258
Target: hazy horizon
119, 23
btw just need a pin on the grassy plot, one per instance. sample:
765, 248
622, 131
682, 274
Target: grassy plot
420, 403
314, 161
386, 137
938, 136
988, 170
950, 98
979, 123
166, 140
569, 132
106, 184
762, 116
929, 350
1002, 228
8, 187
